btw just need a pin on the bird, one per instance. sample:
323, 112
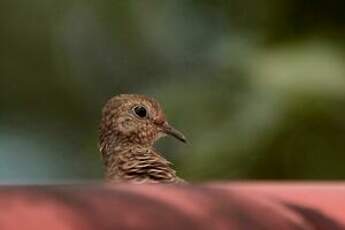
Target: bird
130, 125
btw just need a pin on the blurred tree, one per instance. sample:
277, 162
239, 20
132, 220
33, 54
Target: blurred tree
258, 85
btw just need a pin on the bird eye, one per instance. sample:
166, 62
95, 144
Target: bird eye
140, 111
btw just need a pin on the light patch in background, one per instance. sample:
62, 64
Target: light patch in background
311, 68
38, 158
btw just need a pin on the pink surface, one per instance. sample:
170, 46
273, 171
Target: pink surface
325, 197
211, 206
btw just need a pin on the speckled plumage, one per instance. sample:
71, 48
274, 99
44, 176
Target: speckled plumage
126, 141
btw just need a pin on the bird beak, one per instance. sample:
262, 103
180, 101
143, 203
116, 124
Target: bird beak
168, 129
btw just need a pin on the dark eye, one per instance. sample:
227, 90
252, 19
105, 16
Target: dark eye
140, 111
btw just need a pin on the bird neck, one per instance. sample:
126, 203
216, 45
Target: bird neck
126, 161
116, 150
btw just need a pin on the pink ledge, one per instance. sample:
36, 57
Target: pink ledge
210, 206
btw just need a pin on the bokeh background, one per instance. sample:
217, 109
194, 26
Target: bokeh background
257, 86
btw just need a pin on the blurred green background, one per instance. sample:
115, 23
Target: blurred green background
257, 86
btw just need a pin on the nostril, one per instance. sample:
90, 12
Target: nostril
159, 121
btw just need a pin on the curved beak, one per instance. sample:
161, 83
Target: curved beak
168, 129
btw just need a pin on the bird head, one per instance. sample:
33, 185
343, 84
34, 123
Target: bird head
135, 119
